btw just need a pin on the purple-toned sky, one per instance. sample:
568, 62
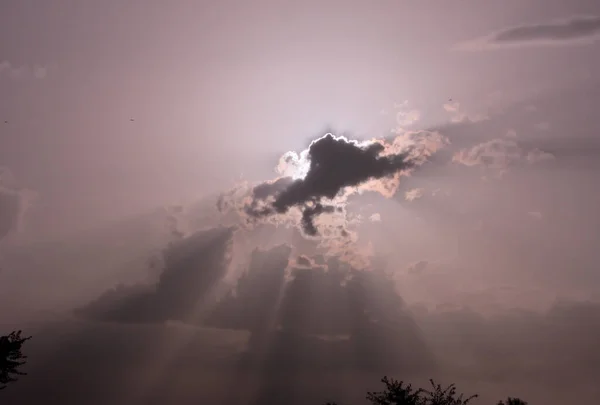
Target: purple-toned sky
225, 88
111, 111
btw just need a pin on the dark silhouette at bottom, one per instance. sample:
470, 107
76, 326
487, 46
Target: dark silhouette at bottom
11, 358
398, 393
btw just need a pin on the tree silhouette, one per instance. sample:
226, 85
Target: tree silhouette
512, 401
446, 396
11, 357
397, 393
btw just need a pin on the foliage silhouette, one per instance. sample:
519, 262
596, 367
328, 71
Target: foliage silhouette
397, 393
11, 357
512, 401
446, 396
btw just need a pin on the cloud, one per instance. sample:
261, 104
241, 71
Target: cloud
414, 194
546, 358
535, 214
14, 204
9, 211
304, 261
193, 266
458, 114
376, 217
496, 154
565, 30
316, 185
549, 351
499, 154
405, 117
537, 155
530, 108
319, 180
452, 106
574, 30
23, 71
418, 267
174, 221
40, 72
514, 352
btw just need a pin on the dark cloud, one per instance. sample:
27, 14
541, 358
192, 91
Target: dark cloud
193, 266
333, 164
309, 214
336, 163
259, 205
565, 31
573, 28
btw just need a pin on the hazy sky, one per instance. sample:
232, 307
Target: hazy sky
112, 109
219, 89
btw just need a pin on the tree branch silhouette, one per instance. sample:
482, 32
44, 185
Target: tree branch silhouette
398, 393
512, 401
11, 357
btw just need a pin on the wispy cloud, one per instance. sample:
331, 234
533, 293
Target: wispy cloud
567, 31
14, 203
417, 267
537, 155
405, 116
413, 194
376, 217
7, 69
459, 115
499, 154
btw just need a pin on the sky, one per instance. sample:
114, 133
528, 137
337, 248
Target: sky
467, 173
